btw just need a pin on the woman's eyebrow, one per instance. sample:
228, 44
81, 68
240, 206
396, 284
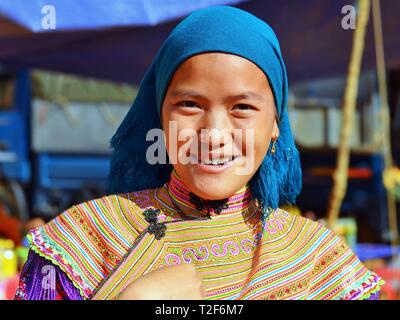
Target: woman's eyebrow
244, 95
185, 93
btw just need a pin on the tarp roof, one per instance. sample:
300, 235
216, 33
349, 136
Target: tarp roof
117, 40
100, 14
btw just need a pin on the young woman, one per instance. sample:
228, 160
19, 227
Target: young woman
206, 223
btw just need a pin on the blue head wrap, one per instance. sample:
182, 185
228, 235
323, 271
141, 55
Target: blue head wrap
214, 29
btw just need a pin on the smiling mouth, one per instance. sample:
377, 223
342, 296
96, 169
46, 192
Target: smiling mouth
213, 162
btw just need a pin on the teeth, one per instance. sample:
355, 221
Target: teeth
214, 162
218, 161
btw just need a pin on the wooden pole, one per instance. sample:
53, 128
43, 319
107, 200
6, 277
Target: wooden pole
340, 175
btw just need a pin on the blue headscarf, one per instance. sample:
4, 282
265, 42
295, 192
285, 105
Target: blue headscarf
214, 29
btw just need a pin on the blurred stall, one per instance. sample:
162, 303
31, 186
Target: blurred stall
64, 90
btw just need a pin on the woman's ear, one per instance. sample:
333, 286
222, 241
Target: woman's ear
275, 131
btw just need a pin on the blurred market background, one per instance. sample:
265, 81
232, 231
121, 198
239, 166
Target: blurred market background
69, 71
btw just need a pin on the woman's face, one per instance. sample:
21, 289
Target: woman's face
223, 108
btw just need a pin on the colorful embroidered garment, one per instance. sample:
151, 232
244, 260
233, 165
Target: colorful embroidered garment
104, 244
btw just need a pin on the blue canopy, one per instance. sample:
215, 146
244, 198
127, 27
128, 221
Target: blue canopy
97, 14
117, 40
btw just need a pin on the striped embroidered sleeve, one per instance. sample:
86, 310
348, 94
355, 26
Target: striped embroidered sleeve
338, 274
87, 241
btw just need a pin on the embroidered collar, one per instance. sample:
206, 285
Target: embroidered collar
192, 205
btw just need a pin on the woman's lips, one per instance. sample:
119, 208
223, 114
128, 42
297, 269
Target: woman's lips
213, 168
210, 168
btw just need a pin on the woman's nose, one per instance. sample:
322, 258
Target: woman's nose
213, 137
216, 131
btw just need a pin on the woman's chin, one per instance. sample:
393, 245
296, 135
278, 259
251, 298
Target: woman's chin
210, 182
214, 188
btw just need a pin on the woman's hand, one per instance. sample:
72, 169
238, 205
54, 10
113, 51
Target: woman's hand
181, 282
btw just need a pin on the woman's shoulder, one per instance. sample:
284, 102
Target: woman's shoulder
110, 216
124, 210
288, 230
304, 230
284, 221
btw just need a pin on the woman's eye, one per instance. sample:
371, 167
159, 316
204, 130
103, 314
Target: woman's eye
243, 107
188, 104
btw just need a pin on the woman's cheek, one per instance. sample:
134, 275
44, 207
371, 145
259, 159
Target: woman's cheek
261, 143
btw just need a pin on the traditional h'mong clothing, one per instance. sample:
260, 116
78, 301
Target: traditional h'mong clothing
244, 247
103, 245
